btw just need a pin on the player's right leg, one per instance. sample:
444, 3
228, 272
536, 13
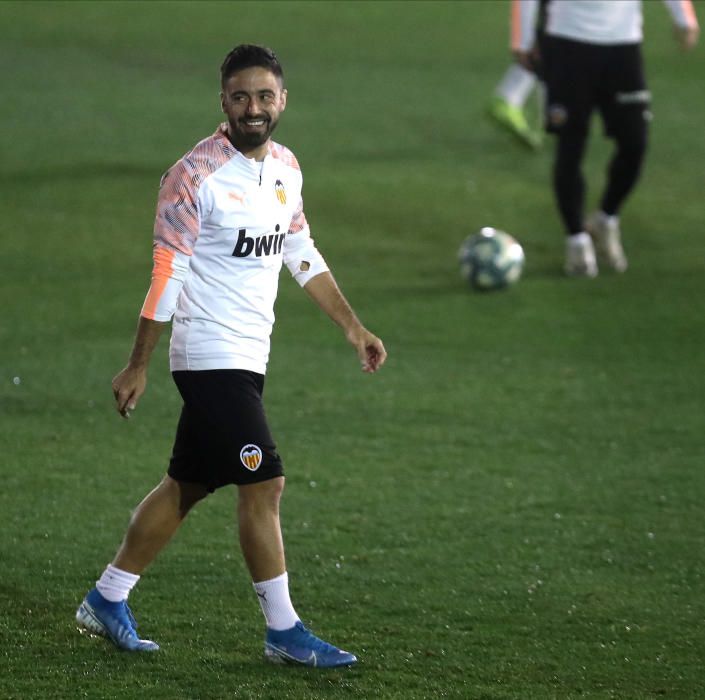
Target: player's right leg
507, 104
569, 189
569, 71
580, 259
113, 620
104, 611
155, 521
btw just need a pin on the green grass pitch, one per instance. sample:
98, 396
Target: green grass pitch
512, 508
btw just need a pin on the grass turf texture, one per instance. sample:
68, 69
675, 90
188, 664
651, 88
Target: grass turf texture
511, 509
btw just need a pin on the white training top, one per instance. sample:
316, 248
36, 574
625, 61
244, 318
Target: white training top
224, 226
605, 22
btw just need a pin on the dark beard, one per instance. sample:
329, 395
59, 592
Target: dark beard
243, 140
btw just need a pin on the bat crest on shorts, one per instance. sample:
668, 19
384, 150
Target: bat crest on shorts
251, 457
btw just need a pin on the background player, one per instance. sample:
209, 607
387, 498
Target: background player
592, 59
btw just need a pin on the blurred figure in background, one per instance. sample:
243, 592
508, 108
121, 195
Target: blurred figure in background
591, 59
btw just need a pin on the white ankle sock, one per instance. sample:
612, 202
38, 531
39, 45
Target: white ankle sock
579, 240
516, 85
273, 596
115, 584
610, 219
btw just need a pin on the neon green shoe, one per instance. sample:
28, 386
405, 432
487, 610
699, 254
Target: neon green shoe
513, 119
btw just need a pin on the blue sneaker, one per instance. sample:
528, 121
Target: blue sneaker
298, 645
111, 620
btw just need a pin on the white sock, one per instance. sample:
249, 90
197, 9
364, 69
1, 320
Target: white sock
115, 584
273, 596
516, 85
579, 240
609, 219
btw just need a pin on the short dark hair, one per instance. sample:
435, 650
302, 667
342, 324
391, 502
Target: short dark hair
248, 56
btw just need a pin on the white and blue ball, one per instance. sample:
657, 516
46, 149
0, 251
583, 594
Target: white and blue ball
491, 259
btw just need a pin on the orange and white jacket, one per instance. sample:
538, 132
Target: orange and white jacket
225, 224
606, 22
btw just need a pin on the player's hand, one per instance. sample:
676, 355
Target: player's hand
128, 386
370, 349
687, 37
527, 59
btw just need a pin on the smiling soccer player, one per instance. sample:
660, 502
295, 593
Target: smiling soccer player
229, 216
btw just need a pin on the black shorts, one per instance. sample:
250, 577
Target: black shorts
581, 77
223, 437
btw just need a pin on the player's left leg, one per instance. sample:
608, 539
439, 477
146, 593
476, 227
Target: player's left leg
626, 115
260, 530
287, 640
630, 135
631, 139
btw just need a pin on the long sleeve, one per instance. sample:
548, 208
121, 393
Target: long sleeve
300, 253
683, 13
523, 24
175, 233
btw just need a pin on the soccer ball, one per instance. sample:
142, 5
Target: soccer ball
491, 259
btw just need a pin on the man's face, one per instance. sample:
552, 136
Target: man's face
252, 99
